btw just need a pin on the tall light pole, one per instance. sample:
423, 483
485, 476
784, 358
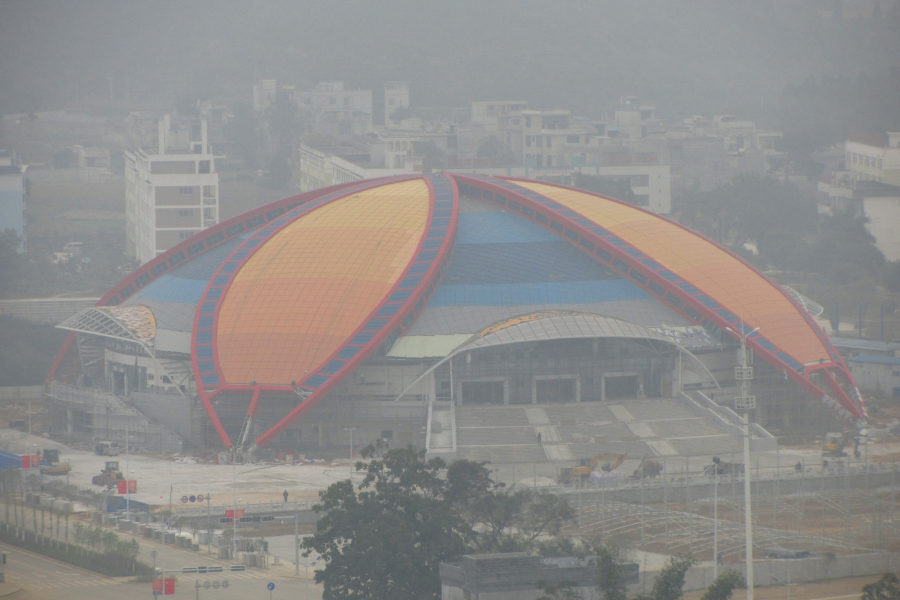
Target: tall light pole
745, 403
352, 429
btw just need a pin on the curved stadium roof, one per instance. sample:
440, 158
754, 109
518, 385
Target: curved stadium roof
293, 296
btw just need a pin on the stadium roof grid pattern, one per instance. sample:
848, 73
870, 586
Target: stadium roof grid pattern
309, 287
720, 275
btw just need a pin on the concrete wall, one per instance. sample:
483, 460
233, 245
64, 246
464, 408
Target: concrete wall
173, 412
21, 392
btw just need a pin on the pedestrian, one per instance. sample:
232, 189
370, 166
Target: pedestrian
539, 438
285, 496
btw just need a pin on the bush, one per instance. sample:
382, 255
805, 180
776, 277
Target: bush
95, 549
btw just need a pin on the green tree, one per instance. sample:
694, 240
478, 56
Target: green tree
494, 147
670, 581
724, 585
563, 590
502, 521
892, 276
388, 538
886, 588
612, 576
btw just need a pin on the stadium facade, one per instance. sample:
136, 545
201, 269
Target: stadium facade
361, 305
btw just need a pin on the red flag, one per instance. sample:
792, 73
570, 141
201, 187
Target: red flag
121, 485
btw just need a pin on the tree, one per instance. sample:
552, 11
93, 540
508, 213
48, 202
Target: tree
670, 581
886, 588
724, 585
563, 590
388, 538
892, 276
502, 521
612, 576
494, 147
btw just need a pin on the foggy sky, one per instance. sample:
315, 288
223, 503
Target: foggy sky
687, 57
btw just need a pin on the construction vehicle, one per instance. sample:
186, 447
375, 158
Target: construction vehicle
648, 468
106, 448
110, 475
836, 442
720, 467
55, 468
586, 466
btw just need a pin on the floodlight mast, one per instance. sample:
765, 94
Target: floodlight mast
745, 403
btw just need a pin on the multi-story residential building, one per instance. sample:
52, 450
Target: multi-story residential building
379, 156
874, 157
172, 194
396, 97
12, 196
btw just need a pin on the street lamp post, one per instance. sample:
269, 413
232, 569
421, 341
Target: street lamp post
352, 429
745, 403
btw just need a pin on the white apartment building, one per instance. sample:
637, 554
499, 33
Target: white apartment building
874, 158
385, 155
396, 96
172, 194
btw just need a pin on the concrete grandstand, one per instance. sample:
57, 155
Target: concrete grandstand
463, 314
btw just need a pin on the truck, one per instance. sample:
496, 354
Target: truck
106, 448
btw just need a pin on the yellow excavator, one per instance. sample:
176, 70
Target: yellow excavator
836, 442
586, 466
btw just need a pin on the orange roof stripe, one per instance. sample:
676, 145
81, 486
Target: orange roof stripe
311, 285
714, 271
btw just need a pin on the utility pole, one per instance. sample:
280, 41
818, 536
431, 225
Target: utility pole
296, 545
715, 520
127, 486
745, 403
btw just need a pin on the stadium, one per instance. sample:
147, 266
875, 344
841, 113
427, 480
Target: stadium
442, 311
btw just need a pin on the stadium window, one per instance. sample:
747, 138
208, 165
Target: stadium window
528, 212
692, 313
639, 277
557, 226
603, 254
572, 235
675, 301
542, 218
621, 265
656, 288
514, 205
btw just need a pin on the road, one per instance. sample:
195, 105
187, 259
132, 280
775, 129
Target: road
46, 579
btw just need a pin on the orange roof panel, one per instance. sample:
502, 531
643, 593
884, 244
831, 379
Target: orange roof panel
310, 286
723, 277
